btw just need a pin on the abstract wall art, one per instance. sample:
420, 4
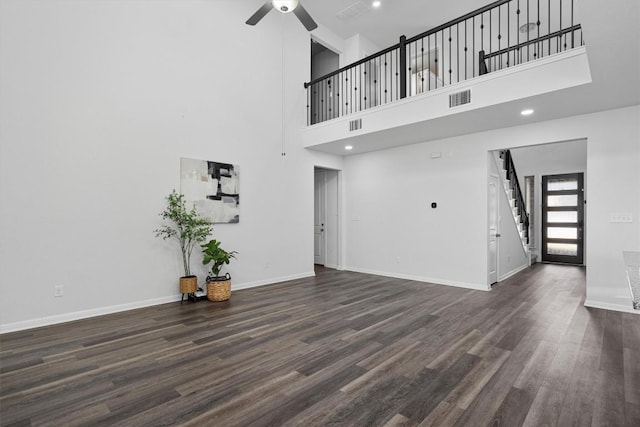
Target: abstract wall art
213, 188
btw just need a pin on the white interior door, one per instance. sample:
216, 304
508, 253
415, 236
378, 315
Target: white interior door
494, 219
319, 217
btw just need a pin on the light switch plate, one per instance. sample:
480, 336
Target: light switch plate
621, 217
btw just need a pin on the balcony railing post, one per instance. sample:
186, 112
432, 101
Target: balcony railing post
482, 65
403, 66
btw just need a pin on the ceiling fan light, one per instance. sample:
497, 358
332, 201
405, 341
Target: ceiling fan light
284, 6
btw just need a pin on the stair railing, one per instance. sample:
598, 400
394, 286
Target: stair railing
520, 205
502, 34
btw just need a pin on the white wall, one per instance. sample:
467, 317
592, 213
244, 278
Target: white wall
99, 101
358, 47
390, 227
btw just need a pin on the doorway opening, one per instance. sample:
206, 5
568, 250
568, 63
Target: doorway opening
326, 224
323, 103
557, 215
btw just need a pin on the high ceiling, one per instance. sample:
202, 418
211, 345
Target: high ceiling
611, 32
393, 18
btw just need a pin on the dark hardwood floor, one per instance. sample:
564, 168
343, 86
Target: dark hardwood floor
343, 349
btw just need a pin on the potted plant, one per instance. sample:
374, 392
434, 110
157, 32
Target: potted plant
218, 287
188, 229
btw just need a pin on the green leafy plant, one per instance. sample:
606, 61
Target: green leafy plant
187, 227
212, 252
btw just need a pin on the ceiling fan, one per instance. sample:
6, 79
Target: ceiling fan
284, 6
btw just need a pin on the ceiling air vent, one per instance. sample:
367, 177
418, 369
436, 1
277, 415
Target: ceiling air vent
355, 125
354, 11
460, 98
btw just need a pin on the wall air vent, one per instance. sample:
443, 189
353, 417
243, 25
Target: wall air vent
460, 98
355, 125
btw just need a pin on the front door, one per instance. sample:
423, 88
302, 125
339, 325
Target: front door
563, 218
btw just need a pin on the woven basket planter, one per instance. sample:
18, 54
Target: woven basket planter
219, 289
188, 284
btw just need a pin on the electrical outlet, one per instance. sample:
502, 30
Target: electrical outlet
58, 291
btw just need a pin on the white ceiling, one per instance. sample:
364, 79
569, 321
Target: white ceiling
394, 18
611, 32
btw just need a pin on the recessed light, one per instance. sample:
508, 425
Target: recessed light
348, 147
527, 112
376, 4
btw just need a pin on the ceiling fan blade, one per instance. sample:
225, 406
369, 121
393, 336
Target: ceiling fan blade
305, 18
260, 13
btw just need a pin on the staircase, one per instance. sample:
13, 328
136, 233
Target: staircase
514, 195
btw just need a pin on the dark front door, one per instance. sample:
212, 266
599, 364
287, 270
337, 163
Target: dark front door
563, 218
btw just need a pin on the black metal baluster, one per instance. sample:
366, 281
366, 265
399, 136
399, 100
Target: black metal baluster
465, 50
539, 44
519, 58
528, 45
508, 30
324, 103
449, 55
429, 62
499, 32
473, 46
367, 78
435, 46
457, 53
360, 83
490, 30
560, 28
422, 63
482, 32
376, 77
347, 101
444, 60
410, 73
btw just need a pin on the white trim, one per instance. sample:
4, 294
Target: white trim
272, 281
610, 306
474, 286
513, 272
85, 314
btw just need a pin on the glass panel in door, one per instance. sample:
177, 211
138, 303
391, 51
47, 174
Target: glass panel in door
562, 218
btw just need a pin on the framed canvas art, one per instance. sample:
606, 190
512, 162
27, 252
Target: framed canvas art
213, 188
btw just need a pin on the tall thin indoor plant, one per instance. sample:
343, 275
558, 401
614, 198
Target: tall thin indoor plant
188, 229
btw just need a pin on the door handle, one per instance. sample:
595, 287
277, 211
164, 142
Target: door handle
497, 234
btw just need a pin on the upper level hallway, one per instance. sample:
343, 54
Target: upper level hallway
476, 71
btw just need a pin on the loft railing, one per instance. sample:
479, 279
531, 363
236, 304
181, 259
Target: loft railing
502, 34
520, 204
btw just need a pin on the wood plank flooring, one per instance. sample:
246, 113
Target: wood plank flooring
340, 349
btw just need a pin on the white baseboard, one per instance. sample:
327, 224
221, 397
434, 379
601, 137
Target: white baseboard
85, 314
512, 272
272, 281
610, 306
475, 286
